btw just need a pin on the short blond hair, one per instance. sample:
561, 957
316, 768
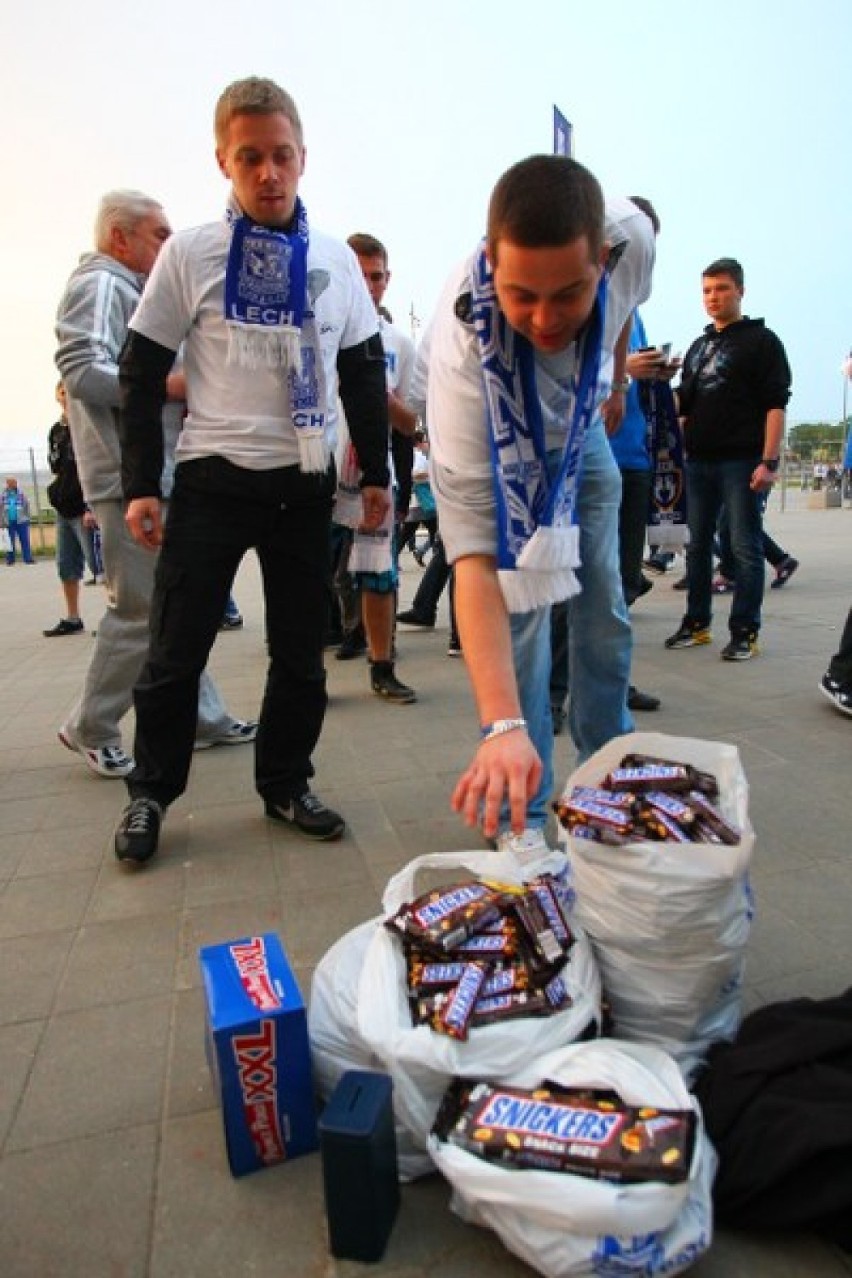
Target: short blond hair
254, 96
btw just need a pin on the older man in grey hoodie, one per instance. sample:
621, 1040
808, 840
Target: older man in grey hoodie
91, 327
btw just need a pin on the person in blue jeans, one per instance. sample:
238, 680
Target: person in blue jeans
731, 399
776, 556
15, 517
526, 371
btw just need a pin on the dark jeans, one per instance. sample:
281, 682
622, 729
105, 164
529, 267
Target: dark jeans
711, 488
432, 583
346, 593
632, 528
840, 666
772, 552
217, 512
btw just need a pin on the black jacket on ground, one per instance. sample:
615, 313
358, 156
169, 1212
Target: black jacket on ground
777, 1103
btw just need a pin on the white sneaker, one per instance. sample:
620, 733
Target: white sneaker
106, 761
530, 845
238, 732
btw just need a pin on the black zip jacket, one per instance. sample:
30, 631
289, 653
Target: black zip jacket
731, 378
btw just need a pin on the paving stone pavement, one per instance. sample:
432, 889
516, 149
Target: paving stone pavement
111, 1151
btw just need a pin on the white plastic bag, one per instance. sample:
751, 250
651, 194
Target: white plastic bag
422, 1062
669, 922
336, 1045
566, 1225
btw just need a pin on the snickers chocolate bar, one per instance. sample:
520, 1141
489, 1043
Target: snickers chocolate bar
443, 918
609, 821
597, 794
568, 1131
651, 776
454, 1017
710, 816
703, 781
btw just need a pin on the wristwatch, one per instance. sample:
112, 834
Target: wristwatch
622, 386
771, 463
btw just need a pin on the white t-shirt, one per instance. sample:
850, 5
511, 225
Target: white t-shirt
462, 473
239, 413
399, 357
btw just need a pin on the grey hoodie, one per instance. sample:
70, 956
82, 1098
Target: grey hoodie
91, 325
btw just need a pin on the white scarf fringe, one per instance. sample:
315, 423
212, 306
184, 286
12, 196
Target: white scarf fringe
526, 591
545, 569
373, 551
253, 347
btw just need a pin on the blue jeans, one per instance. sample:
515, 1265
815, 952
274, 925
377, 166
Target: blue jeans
74, 549
772, 552
712, 487
20, 533
599, 635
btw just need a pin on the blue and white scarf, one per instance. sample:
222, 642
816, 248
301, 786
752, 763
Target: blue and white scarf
538, 538
667, 515
271, 322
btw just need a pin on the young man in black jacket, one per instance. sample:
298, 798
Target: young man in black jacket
733, 392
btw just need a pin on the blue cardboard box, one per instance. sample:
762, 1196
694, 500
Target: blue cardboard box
258, 1050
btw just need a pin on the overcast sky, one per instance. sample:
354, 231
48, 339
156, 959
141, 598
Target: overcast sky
732, 117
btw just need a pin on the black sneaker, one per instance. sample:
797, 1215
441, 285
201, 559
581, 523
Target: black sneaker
682, 583
454, 648
308, 815
354, 645
231, 621
742, 647
385, 684
67, 626
784, 572
840, 695
412, 618
637, 700
138, 831
690, 635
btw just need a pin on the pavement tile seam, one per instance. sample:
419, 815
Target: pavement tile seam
24, 1082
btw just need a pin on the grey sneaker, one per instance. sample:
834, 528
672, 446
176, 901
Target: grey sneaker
105, 761
138, 832
239, 732
308, 815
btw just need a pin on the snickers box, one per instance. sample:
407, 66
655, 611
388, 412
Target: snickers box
257, 1048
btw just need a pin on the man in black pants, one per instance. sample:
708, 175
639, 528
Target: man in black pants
272, 316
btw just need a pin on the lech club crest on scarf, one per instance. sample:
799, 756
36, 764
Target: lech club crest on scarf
265, 271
